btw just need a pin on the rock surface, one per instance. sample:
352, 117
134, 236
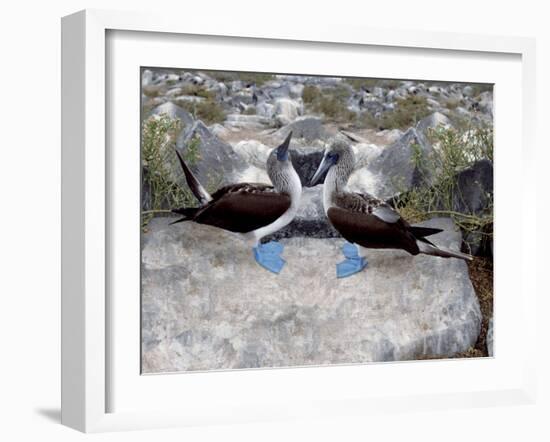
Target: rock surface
217, 161
207, 305
310, 220
308, 128
489, 339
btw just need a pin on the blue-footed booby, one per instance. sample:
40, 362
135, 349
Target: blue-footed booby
364, 220
251, 209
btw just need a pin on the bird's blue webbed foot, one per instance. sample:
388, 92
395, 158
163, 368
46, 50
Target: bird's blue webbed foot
353, 262
268, 256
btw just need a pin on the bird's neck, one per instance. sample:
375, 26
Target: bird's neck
286, 180
335, 182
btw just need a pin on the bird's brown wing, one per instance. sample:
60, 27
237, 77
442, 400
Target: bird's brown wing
243, 207
368, 230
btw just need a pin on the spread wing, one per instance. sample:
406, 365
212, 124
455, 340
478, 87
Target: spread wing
242, 207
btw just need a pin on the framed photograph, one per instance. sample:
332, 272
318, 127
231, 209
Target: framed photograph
265, 224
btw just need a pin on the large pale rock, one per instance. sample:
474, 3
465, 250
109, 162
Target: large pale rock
393, 170
175, 112
252, 152
217, 162
287, 110
309, 128
207, 305
241, 121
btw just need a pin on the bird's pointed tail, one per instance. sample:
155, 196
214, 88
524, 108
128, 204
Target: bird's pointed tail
196, 187
433, 250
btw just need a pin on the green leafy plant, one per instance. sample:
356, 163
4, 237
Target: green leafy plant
159, 161
454, 151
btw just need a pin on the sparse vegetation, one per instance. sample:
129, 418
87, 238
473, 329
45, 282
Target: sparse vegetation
158, 161
198, 91
331, 102
452, 104
151, 91
310, 93
407, 113
247, 77
369, 83
257, 79
455, 151
208, 110
250, 111
481, 87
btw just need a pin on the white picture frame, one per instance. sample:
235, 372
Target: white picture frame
86, 314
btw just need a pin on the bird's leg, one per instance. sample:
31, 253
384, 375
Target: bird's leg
268, 256
353, 262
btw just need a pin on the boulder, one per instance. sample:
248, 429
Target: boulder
474, 188
433, 121
468, 91
252, 152
217, 162
185, 99
286, 111
308, 128
296, 90
243, 121
485, 103
207, 305
265, 109
175, 112
147, 77
393, 170
473, 195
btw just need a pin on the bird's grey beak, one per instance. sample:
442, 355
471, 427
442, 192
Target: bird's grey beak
325, 165
282, 150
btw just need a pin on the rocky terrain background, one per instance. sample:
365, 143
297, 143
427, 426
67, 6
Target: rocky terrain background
425, 147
